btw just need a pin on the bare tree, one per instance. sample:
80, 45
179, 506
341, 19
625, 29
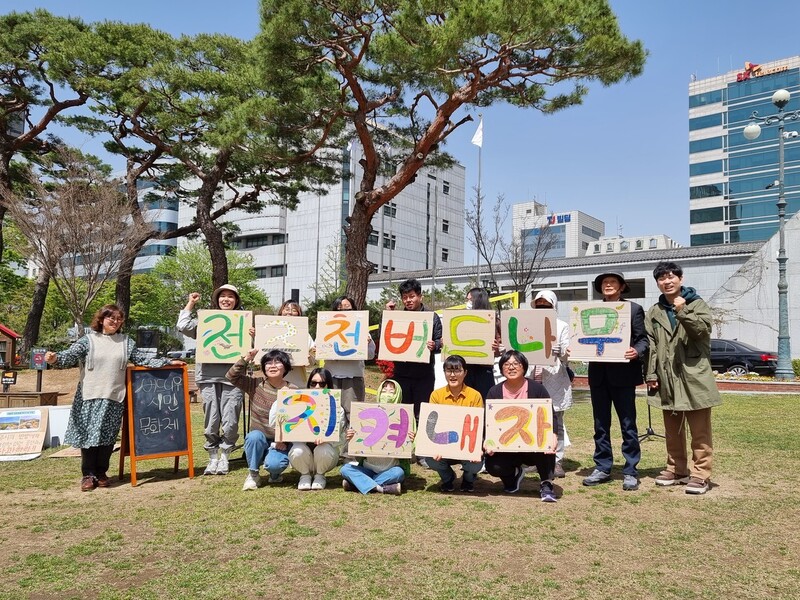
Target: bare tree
522, 257
485, 235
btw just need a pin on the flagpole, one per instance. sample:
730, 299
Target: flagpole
478, 141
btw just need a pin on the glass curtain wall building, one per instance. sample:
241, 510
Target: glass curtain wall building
732, 194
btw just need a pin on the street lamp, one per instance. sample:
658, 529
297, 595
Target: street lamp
780, 99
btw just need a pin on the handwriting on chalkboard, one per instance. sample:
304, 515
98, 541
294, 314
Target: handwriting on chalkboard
159, 415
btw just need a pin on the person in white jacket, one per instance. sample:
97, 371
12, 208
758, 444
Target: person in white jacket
556, 378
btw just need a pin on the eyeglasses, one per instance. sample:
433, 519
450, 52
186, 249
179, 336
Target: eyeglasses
114, 318
317, 383
454, 371
273, 363
512, 365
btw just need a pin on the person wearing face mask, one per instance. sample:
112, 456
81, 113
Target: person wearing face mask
481, 377
222, 402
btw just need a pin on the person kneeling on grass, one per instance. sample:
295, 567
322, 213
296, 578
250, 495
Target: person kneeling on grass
313, 459
381, 474
456, 394
259, 444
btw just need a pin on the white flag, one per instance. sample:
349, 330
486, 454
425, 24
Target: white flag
477, 139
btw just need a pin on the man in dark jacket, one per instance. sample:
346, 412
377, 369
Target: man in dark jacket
614, 384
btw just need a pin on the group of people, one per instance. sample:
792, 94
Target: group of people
669, 349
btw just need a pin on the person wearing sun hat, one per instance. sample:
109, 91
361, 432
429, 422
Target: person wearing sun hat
222, 401
614, 385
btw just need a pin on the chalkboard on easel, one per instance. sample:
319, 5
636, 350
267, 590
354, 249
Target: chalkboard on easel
158, 420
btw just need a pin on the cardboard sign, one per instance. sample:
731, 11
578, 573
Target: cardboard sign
600, 331
518, 425
222, 335
405, 335
289, 334
342, 335
532, 332
450, 431
22, 432
469, 333
308, 415
381, 429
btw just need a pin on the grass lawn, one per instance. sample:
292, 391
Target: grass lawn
172, 537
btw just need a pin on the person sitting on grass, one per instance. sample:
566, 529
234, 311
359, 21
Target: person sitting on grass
259, 444
455, 393
381, 474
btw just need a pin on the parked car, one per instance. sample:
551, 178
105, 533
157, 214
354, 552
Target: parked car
181, 354
739, 358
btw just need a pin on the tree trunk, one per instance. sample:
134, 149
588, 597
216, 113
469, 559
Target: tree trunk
30, 336
5, 189
358, 267
122, 290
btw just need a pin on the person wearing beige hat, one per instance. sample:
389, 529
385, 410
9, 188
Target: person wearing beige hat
222, 401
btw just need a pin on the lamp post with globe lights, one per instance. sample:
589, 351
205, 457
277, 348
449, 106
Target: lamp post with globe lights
780, 99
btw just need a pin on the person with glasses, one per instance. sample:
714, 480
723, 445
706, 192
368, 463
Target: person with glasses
260, 446
509, 466
481, 377
455, 393
314, 459
96, 415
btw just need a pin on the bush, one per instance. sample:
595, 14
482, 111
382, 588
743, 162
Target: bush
796, 367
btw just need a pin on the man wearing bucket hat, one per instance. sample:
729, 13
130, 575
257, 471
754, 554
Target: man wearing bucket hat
614, 384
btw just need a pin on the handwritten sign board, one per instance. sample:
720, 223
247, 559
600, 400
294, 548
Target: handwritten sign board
222, 335
532, 332
518, 425
600, 331
289, 334
381, 429
405, 335
450, 431
342, 335
22, 432
158, 421
308, 415
469, 333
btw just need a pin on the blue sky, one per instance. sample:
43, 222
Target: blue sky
621, 157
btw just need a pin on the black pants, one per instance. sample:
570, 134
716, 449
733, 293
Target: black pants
480, 378
95, 460
505, 464
416, 389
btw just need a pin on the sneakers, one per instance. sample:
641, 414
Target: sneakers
597, 476
213, 461
347, 486
559, 470
446, 488
467, 486
547, 493
513, 488
103, 481
278, 479
305, 483
423, 463
222, 464
392, 488
697, 486
669, 478
630, 483
319, 482
252, 482
88, 483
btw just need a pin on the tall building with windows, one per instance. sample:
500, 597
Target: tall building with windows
732, 194
569, 233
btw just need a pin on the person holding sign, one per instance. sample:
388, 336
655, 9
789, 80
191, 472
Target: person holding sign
509, 466
222, 402
481, 377
259, 443
455, 393
298, 374
614, 384
96, 415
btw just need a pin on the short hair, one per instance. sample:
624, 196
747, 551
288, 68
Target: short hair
480, 298
410, 285
290, 303
337, 304
280, 356
519, 356
106, 311
453, 361
665, 267
326, 375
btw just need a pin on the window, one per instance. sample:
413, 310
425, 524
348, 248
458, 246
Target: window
572, 295
704, 122
271, 239
704, 168
706, 215
372, 240
446, 188
389, 241
385, 269
585, 246
589, 232
597, 248
653, 243
261, 272
639, 244
390, 210
624, 246
705, 191
277, 271
711, 97
445, 226
610, 247
705, 145
445, 254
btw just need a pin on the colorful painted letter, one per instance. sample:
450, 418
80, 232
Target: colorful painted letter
469, 333
520, 425
381, 429
289, 334
450, 431
405, 335
342, 335
222, 335
600, 331
308, 415
532, 332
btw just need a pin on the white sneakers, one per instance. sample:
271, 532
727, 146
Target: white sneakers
305, 483
252, 482
319, 482
213, 462
222, 465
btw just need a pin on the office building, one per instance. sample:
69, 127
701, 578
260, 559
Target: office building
572, 232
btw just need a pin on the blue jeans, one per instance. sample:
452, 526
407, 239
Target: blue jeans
445, 471
623, 400
365, 480
257, 450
